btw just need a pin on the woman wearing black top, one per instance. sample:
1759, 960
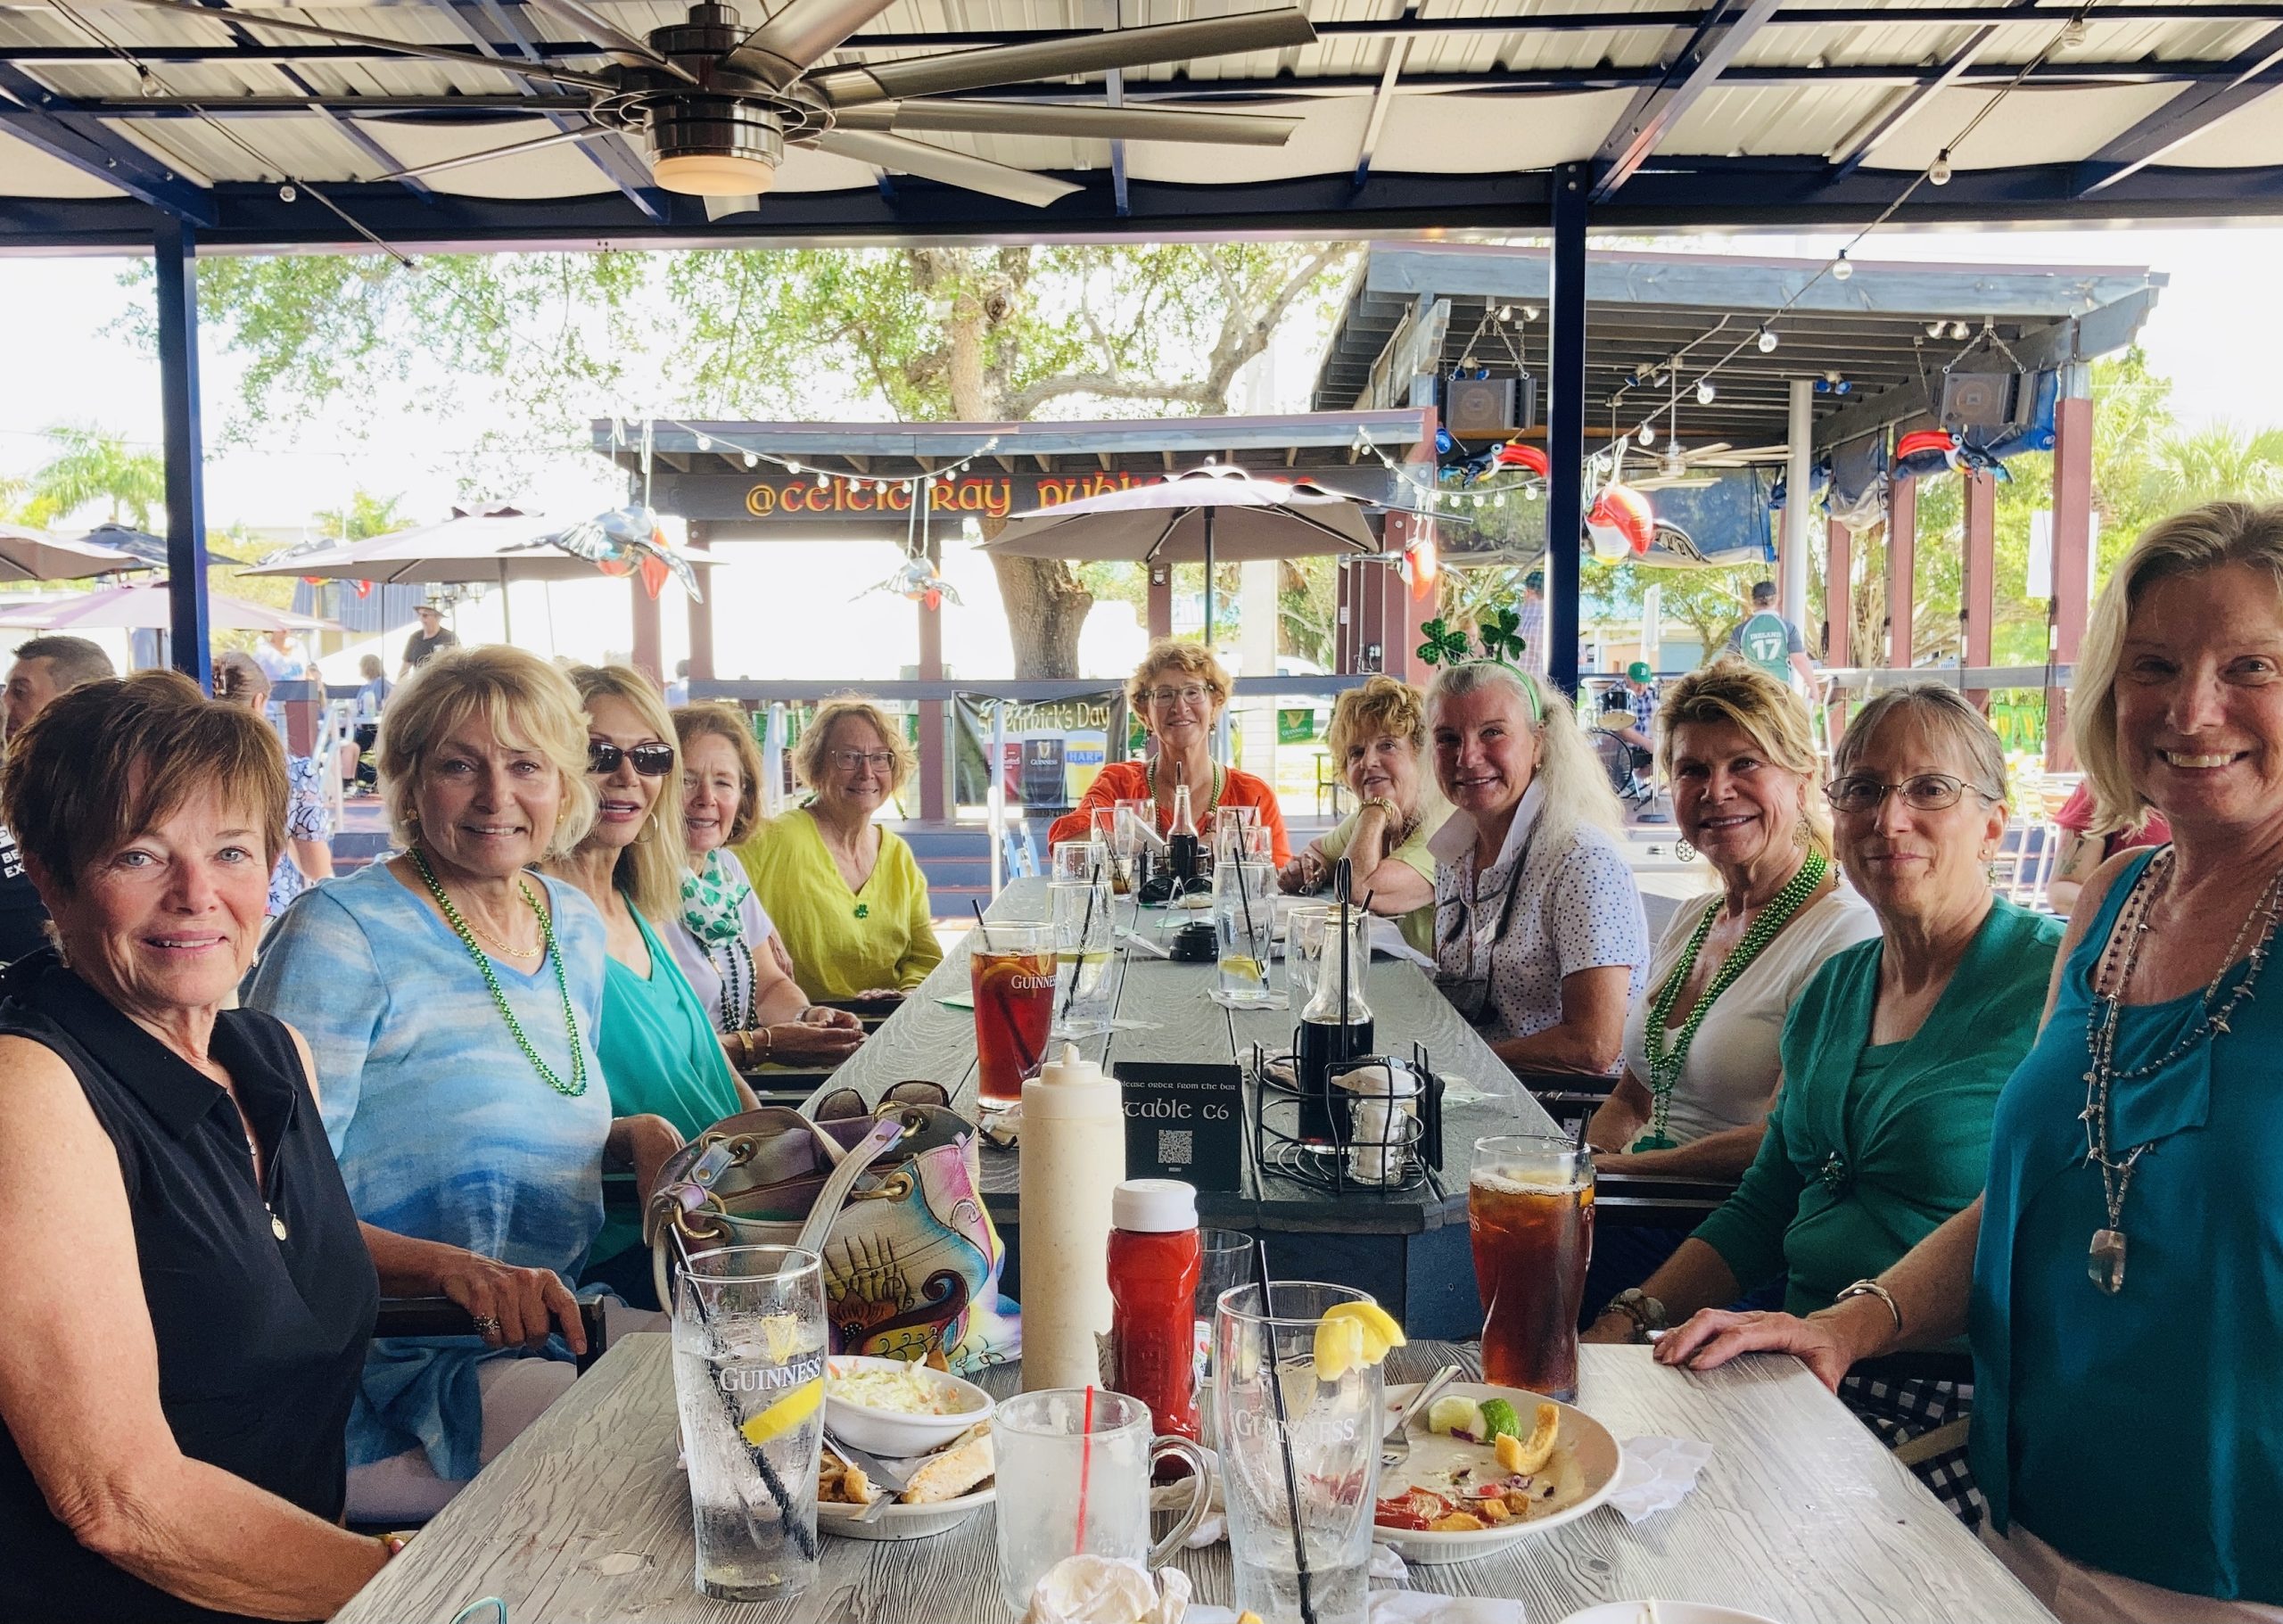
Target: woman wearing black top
189, 1294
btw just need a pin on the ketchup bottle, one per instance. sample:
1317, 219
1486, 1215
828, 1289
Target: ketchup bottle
1154, 1258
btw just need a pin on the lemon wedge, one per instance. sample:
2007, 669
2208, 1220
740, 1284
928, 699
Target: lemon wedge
1381, 1332
1339, 1347
787, 1413
1528, 1454
1239, 967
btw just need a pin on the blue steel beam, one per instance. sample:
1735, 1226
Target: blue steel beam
1565, 425
1729, 27
2260, 73
43, 120
176, 247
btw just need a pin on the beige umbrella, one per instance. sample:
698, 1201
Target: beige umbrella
29, 554
145, 606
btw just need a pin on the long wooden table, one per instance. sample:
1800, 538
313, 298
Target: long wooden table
1800, 1515
1408, 1249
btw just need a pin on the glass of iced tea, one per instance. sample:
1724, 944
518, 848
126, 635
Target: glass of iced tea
1011, 972
1529, 1211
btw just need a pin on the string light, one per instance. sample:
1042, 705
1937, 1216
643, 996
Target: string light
1766, 342
1648, 435
1843, 267
1938, 173
1705, 392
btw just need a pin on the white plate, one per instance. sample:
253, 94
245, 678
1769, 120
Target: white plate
1596, 1448
902, 1521
1667, 1612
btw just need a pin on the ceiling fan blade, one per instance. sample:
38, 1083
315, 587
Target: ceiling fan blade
610, 36
1714, 449
592, 132
269, 19
1113, 48
802, 34
953, 169
1054, 119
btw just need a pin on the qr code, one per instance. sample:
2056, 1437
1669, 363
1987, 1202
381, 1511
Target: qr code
1174, 1147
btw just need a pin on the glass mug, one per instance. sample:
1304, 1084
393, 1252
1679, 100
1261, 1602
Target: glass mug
1074, 1482
1529, 1213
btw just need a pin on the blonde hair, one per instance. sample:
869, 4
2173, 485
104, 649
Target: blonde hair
720, 719
816, 738
649, 869
524, 701
1576, 787
1191, 659
1382, 706
1740, 694
2187, 543
1944, 714
113, 759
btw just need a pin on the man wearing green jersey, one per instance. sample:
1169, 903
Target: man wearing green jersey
1773, 643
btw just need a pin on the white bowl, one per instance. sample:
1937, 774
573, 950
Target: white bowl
892, 1432
1667, 1612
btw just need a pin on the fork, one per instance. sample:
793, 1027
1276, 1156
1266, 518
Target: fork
1395, 1448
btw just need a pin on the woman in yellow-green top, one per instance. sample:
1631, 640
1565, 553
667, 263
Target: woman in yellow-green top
1378, 735
848, 895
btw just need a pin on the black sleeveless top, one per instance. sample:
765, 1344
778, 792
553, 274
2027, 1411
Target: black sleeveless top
260, 1337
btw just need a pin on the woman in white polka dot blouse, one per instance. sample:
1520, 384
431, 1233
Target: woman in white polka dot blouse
1539, 936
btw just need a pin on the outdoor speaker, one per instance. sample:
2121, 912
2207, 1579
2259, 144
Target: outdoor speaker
1979, 400
1474, 409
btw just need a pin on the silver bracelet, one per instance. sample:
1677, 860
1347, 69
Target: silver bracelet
1872, 1288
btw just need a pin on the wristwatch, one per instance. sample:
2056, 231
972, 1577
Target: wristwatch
1646, 1313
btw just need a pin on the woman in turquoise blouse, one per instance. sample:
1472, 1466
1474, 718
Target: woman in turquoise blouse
1892, 1057
2128, 1430
656, 1042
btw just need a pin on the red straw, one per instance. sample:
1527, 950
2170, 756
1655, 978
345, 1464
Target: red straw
1086, 1468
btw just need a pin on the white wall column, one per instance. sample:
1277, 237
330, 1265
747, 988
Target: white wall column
1799, 473
1257, 614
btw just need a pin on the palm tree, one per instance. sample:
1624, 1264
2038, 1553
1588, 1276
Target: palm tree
92, 467
367, 515
2217, 461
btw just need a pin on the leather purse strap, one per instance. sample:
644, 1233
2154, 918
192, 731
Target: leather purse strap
884, 1135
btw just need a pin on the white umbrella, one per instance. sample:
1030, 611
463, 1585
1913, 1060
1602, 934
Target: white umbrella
1205, 514
145, 606
29, 554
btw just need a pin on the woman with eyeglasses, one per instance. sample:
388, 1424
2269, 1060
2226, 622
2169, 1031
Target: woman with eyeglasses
1178, 692
848, 895
1892, 1056
452, 1000
1539, 936
660, 1055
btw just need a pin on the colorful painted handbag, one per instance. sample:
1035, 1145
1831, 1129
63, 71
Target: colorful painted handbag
891, 1200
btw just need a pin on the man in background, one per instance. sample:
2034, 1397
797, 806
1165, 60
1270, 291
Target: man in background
1773, 643
1531, 626
433, 638
46, 669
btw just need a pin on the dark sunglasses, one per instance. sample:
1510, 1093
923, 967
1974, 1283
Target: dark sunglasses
651, 761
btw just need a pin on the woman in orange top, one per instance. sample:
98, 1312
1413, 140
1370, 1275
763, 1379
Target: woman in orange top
1178, 692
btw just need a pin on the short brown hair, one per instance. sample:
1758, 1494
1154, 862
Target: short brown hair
808, 755
72, 661
1191, 659
523, 699
1382, 706
1738, 693
718, 719
113, 758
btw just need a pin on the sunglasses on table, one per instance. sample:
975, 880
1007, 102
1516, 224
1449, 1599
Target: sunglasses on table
1860, 792
651, 761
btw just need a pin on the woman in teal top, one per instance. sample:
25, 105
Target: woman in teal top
655, 1041
1893, 1055
2126, 1265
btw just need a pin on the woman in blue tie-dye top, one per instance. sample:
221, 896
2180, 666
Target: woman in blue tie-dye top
451, 1000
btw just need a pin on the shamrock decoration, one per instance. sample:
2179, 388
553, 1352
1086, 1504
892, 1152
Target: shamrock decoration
1443, 647
1500, 631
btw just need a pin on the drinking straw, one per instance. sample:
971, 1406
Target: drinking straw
803, 1541
1244, 900
980, 924
1085, 1466
1086, 935
1283, 1427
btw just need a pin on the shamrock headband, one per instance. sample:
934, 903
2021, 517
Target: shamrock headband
1501, 644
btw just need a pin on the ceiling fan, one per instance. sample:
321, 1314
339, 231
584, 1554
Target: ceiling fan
718, 103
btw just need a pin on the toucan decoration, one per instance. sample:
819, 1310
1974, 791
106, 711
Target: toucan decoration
917, 580
624, 539
1620, 521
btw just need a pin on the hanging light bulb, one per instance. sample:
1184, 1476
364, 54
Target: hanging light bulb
1938, 171
791, 466
704, 444
752, 461
1841, 268
1648, 434
823, 479
1529, 493
1766, 342
1958, 329
1705, 392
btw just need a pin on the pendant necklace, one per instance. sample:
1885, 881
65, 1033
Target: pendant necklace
2105, 1257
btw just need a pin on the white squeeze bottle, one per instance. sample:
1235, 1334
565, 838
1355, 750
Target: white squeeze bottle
1073, 1160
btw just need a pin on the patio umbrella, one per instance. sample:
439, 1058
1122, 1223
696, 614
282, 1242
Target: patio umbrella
28, 554
144, 605
148, 549
1208, 513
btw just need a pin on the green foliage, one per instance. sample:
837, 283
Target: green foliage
90, 469
366, 515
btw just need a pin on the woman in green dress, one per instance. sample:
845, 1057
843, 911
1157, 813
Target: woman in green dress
656, 1042
1893, 1055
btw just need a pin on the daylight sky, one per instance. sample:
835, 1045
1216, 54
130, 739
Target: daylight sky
2214, 333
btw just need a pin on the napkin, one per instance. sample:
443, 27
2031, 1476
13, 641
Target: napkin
1379, 1147
1406, 1607
1657, 1474
1108, 1590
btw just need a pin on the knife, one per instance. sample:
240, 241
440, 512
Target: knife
889, 1479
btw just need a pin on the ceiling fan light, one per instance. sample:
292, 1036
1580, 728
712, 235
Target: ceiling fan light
713, 175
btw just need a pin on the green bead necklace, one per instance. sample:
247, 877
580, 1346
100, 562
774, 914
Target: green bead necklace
1667, 1054
578, 1084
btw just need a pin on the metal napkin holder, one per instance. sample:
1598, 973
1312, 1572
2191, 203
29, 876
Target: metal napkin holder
1411, 1141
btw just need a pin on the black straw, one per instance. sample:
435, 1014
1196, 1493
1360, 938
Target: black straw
803, 1541
979, 924
1283, 1426
1086, 934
